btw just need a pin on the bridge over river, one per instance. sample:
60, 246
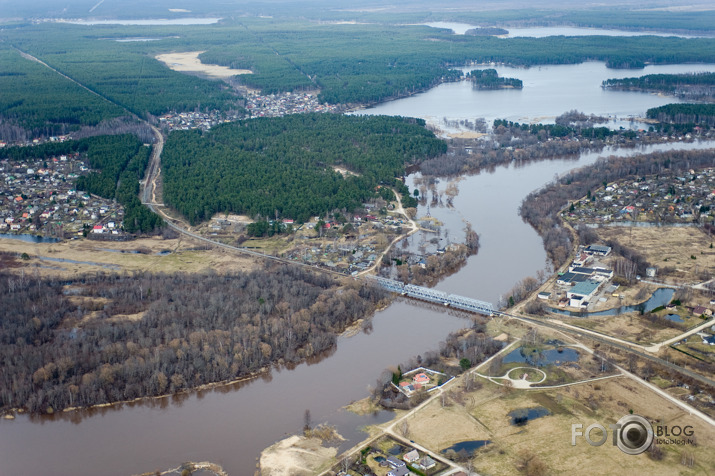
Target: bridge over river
433, 295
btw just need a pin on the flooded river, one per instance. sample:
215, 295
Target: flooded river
231, 425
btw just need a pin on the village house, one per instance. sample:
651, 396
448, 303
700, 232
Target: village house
411, 456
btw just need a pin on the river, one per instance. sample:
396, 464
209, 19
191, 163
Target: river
230, 426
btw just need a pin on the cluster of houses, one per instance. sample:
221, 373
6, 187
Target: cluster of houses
585, 277
38, 141
351, 252
256, 105
413, 458
184, 121
38, 196
666, 198
276, 105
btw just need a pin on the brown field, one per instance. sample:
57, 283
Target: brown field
484, 416
669, 247
185, 256
631, 327
437, 427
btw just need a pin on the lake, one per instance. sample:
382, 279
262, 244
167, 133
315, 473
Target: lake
543, 31
548, 92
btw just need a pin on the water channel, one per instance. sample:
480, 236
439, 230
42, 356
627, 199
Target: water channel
231, 425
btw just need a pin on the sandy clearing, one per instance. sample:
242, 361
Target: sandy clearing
345, 172
466, 135
297, 456
189, 62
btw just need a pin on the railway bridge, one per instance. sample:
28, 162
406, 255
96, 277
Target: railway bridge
435, 296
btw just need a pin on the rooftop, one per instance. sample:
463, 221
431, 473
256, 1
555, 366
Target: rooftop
585, 288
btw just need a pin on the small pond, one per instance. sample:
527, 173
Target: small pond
542, 358
521, 416
29, 238
674, 318
469, 446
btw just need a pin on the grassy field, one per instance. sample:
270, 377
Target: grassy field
631, 327
128, 256
694, 346
672, 247
484, 416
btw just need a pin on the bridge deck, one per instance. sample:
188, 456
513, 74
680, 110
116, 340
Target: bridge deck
433, 295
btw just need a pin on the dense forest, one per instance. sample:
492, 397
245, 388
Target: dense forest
36, 101
284, 166
122, 161
358, 63
489, 79
417, 11
75, 343
540, 208
119, 161
692, 86
696, 114
370, 63
123, 73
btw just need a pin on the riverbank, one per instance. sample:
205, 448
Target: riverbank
471, 414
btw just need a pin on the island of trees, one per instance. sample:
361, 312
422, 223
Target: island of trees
489, 79
486, 31
288, 166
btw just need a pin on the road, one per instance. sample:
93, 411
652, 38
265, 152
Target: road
608, 341
414, 228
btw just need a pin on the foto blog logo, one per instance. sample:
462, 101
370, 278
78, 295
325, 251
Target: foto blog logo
633, 434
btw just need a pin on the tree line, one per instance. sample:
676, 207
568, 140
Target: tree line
66, 343
700, 85
692, 114
283, 166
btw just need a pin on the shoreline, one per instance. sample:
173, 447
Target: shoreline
207, 386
